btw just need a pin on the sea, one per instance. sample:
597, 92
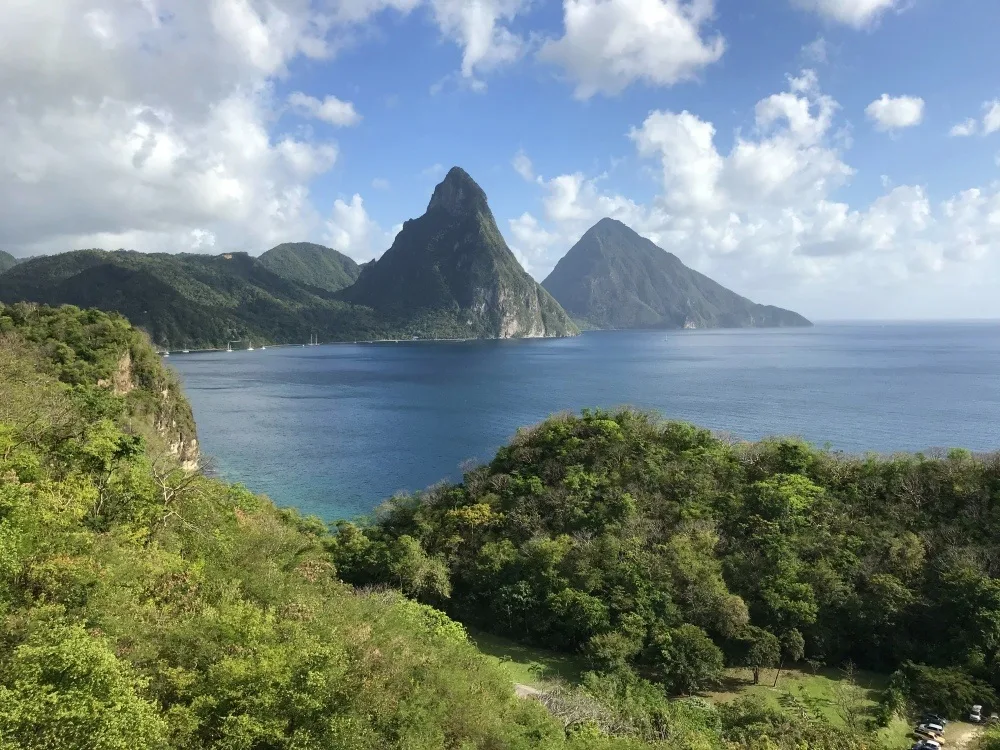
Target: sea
336, 429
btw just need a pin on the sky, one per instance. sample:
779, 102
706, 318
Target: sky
837, 157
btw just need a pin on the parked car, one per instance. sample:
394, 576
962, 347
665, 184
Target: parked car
932, 729
930, 718
976, 715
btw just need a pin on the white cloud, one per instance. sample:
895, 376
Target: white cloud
856, 13
991, 120
610, 44
331, 109
964, 129
523, 166
894, 113
817, 51
351, 230
764, 218
168, 113
989, 124
477, 26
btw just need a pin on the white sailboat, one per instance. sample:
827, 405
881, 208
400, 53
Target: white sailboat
250, 346
229, 347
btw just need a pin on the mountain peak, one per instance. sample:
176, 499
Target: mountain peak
458, 193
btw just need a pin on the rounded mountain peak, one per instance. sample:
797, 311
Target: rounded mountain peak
458, 193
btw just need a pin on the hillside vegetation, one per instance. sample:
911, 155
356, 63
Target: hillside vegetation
146, 606
311, 265
7, 261
615, 278
657, 549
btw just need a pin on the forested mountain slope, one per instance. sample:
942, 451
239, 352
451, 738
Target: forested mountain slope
145, 606
615, 278
7, 261
311, 265
659, 549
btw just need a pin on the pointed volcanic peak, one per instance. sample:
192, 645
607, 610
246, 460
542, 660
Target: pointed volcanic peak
615, 278
450, 271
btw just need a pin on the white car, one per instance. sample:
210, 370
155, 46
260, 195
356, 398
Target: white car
930, 728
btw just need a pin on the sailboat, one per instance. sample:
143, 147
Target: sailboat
250, 346
229, 347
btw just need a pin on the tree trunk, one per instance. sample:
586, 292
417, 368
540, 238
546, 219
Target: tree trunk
778, 673
756, 675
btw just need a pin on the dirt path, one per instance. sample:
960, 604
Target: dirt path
526, 691
959, 735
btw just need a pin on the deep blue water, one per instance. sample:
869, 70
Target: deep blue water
336, 429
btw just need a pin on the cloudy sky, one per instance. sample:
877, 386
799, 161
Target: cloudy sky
840, 157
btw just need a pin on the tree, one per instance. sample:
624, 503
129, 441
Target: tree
761, 649
687, 659
65, 689
793, 648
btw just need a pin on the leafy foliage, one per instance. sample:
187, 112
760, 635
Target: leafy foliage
311, 265
145, 606
614, 278
613, 533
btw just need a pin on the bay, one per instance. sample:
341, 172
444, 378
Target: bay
336, 429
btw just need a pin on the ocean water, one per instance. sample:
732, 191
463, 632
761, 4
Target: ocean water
336, 429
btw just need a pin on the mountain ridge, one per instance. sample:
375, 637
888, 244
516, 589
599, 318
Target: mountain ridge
449, 274
613, 278
7, 261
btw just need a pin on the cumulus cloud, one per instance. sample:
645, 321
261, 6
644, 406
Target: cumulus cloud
610, 44
152, 130
523, 166
763, 217
964, 129
894, 113
856, 13
817, 51
987, 125
352, 231
479, 29
330, 109
991, 120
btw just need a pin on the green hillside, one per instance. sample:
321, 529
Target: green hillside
614, 278
311, 265
189, 300
145, 606
7, 261
656, 549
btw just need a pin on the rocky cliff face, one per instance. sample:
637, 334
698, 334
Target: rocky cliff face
453, 265
171, 414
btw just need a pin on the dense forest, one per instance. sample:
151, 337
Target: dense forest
145, 605
659, 550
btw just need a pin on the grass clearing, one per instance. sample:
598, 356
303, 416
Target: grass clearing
825, 691
528, 665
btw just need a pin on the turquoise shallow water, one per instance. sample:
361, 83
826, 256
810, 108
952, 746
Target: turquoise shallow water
336, 429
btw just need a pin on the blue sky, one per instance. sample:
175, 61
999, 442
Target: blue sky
840, 157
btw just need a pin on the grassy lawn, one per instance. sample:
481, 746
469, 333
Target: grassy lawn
819, 691
540, 668
528, 665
